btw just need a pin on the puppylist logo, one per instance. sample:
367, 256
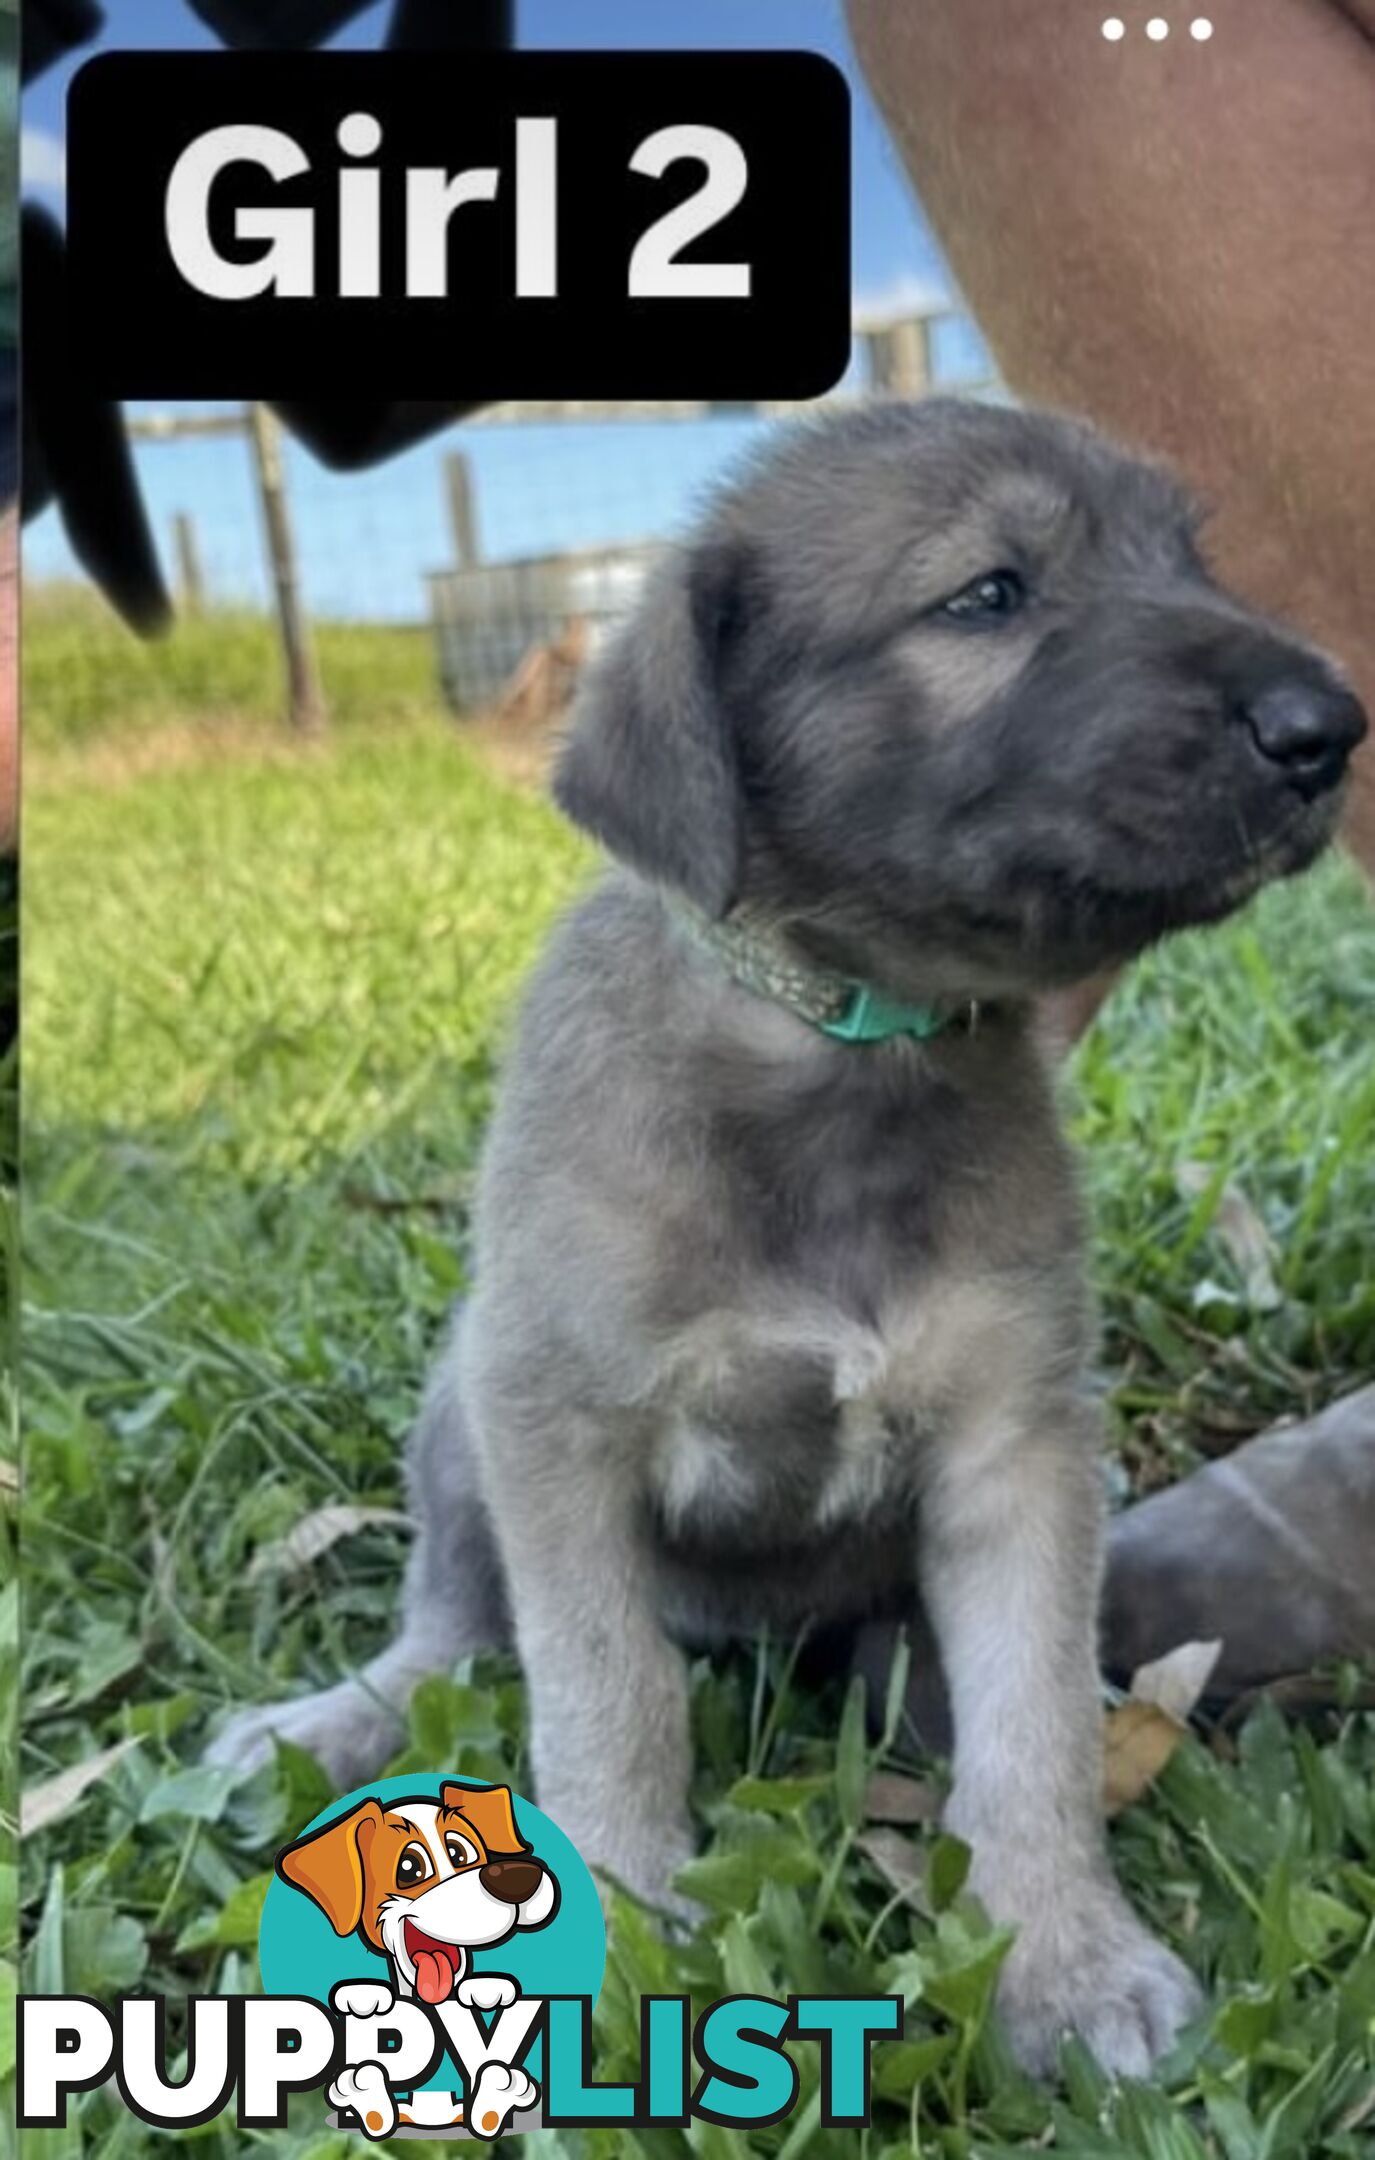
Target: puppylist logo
432, 1952
430, 1899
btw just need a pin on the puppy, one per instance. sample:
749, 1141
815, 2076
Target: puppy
780, 1306
425, 1882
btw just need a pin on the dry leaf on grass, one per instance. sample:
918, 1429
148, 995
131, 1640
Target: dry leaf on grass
1359, 2113
315, 1533
1139, 1741
897, 1859
1240, 1232
56, 1796
889, 1798
1142, 1733
1176, 1682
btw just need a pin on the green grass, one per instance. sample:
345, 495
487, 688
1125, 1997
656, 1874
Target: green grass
85, 676
263, 1003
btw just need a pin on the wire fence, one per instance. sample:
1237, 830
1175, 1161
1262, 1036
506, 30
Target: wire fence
506, 545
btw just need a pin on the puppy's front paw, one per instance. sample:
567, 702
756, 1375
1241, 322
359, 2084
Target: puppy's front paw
361, 1998
501, 2089
346, 1728
1091, 1968
645, 1867
364, 2088
486, 1991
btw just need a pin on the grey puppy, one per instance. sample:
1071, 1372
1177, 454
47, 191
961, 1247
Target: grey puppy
780, 1302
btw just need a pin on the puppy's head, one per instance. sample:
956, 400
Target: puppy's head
424, 1881
949, 691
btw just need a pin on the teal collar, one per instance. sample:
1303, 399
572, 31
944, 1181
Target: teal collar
848, 1011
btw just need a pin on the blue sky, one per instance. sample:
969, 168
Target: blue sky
366, 540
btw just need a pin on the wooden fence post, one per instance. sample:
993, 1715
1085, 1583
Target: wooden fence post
190, 581
900, 357
458, 488
305, 699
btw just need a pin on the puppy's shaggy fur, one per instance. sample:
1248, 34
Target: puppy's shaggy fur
940, 699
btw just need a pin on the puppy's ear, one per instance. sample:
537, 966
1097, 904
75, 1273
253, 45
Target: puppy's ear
489, 1811
329, 1865
651, 765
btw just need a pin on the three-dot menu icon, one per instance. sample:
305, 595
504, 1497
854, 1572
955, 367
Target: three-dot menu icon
1157, 29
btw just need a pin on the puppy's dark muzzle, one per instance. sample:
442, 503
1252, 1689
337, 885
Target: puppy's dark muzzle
513, 1881
1306, 732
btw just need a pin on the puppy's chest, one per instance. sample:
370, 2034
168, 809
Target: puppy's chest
888, 1244
781, 1421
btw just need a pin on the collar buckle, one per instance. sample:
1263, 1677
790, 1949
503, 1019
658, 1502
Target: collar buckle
869, 1017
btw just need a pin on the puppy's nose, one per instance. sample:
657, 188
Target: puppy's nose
1308, 730
513, 1881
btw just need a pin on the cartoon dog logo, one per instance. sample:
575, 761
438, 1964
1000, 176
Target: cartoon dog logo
427, 1882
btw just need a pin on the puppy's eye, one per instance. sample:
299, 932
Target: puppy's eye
459, 1850
991, 598
413, 1867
